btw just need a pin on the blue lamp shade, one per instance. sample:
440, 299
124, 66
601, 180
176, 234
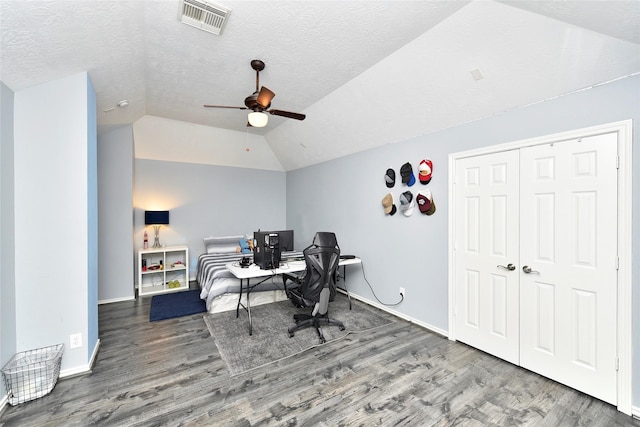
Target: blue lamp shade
156, 217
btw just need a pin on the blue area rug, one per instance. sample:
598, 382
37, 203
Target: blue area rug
178, 304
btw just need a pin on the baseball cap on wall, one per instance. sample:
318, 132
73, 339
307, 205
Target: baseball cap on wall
425, 202
390, 178
425, 170
406, 203
406, 171
387, 204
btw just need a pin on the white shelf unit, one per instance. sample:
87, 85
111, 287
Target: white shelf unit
152, 282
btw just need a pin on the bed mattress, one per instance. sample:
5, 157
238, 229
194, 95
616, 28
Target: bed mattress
216, 281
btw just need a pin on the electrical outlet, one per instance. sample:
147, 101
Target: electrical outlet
75, 340
402, 292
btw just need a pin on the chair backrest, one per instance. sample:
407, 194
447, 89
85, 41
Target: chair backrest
321, 258
325, 238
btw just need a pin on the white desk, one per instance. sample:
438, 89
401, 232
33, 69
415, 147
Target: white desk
246, 274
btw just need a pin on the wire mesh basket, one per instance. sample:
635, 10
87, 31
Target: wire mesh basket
32, 374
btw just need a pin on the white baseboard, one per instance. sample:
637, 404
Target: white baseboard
398, 314
3, 404
635, 412
109, 301
83, 369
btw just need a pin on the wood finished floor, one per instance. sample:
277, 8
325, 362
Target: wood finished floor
169, 373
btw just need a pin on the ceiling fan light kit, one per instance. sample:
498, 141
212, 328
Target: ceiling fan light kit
260, 101
258, 119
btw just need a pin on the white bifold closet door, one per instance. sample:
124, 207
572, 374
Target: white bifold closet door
535, 253
487, 227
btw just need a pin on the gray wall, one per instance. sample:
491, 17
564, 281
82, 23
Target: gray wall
115, 206
91, 142
55, 204
206, 200
7, 234
344, 196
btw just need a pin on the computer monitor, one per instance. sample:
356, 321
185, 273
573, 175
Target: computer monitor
285, 238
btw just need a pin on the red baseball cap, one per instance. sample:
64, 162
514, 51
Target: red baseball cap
424, 171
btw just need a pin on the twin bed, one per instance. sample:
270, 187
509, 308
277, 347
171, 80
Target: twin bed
219, 288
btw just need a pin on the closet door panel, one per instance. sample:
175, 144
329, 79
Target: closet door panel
568, 228
486, 198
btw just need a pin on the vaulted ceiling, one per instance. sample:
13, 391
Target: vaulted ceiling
366, 73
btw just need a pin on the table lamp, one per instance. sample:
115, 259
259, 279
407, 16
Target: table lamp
156, 218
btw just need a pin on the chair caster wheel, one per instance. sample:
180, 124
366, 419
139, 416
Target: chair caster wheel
290, 334
342, 328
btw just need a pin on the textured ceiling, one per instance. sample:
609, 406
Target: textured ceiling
366, 73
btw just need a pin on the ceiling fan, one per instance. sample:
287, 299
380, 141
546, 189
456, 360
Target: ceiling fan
259, 102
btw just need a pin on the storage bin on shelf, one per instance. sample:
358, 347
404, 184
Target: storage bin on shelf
31, 374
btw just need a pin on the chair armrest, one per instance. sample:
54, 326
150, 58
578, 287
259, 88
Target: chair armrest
295, 278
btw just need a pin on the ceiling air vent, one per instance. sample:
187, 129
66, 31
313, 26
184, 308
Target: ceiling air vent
206, 16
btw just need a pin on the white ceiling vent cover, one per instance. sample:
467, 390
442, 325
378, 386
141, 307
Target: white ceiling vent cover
206, 16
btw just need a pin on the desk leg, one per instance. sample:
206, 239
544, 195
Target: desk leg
249, 307
239, 299
246, 307
344, 276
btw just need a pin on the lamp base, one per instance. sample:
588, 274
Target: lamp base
156, 242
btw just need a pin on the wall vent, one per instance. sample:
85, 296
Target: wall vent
206, 16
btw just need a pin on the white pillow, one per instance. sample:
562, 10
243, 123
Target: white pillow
220, 245
223, 249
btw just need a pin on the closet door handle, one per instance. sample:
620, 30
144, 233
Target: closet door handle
528, 270
509, 267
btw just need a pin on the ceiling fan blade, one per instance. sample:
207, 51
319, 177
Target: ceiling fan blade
288, 114
265, 96
224, 106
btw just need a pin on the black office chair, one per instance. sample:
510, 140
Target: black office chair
317, 287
